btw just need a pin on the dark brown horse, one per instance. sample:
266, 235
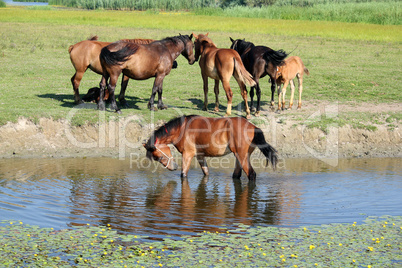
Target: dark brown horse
141, 62
259, 61
85, 54
221, 64
209, 137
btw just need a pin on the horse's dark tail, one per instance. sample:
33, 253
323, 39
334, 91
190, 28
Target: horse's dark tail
119, 56
266, 149
276, 57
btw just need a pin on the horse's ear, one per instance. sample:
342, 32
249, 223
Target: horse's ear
191, 36
244, 39
207, 34
195, 36
231, 39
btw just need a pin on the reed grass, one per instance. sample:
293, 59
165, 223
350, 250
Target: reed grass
385, 12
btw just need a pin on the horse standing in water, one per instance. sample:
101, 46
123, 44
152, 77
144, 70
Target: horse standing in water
221, 64
209, 137
85, 54
293, 67
141, 62
259, 61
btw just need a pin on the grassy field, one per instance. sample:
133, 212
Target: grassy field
357, 64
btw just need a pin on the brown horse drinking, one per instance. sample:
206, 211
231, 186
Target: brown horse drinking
209, 137
259, 61
293, 67
221, 64
85, 54
141, 62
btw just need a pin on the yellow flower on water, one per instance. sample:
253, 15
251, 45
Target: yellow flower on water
312, 247
340, 244
263, 254
160, 264
246, 247
283, 260
20, 222
151, 247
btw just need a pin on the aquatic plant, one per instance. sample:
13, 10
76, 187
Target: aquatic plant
376, 242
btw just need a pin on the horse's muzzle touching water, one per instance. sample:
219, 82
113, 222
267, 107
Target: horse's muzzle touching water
209, 137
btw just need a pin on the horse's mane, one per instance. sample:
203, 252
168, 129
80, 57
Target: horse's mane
205, 39
165, 129
276, 57
139, 41
241, 46
176, 39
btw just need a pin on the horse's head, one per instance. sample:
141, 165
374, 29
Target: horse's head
188, 51
200, 42
241, 45
161, 153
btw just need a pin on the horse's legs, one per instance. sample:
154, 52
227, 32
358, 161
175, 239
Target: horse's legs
157, 88
102, 86
75, 80
243, 159
237, 170
203, 164
283, 95
111, 88
205, 85
300, 77
292, 93
124, 83
252, 109
273, 87
216, 90
229, 96
258, 91
186, 162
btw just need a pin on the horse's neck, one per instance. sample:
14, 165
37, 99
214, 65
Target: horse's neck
175, 49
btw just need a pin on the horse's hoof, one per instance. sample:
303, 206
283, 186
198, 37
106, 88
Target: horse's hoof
79, 102
153, 109
118, 111
162, 107
248, 116
216, 109
252, 109
257, 114
226, 115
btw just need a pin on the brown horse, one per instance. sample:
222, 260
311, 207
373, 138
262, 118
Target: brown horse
292, 67
221, 64
85, 54
141, 62
203, 137
259, 61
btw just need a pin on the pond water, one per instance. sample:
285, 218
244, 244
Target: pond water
16, 3
140, 198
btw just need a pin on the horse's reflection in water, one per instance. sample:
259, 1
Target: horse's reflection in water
207, 207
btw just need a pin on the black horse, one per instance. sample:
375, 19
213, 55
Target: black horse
259, 61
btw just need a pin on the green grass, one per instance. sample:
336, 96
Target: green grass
36, 68
376, 243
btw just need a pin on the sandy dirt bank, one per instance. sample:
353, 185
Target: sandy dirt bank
292, 139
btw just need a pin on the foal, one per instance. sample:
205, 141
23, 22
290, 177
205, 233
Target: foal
292, 67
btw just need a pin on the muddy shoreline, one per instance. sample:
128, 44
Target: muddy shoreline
58, 139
